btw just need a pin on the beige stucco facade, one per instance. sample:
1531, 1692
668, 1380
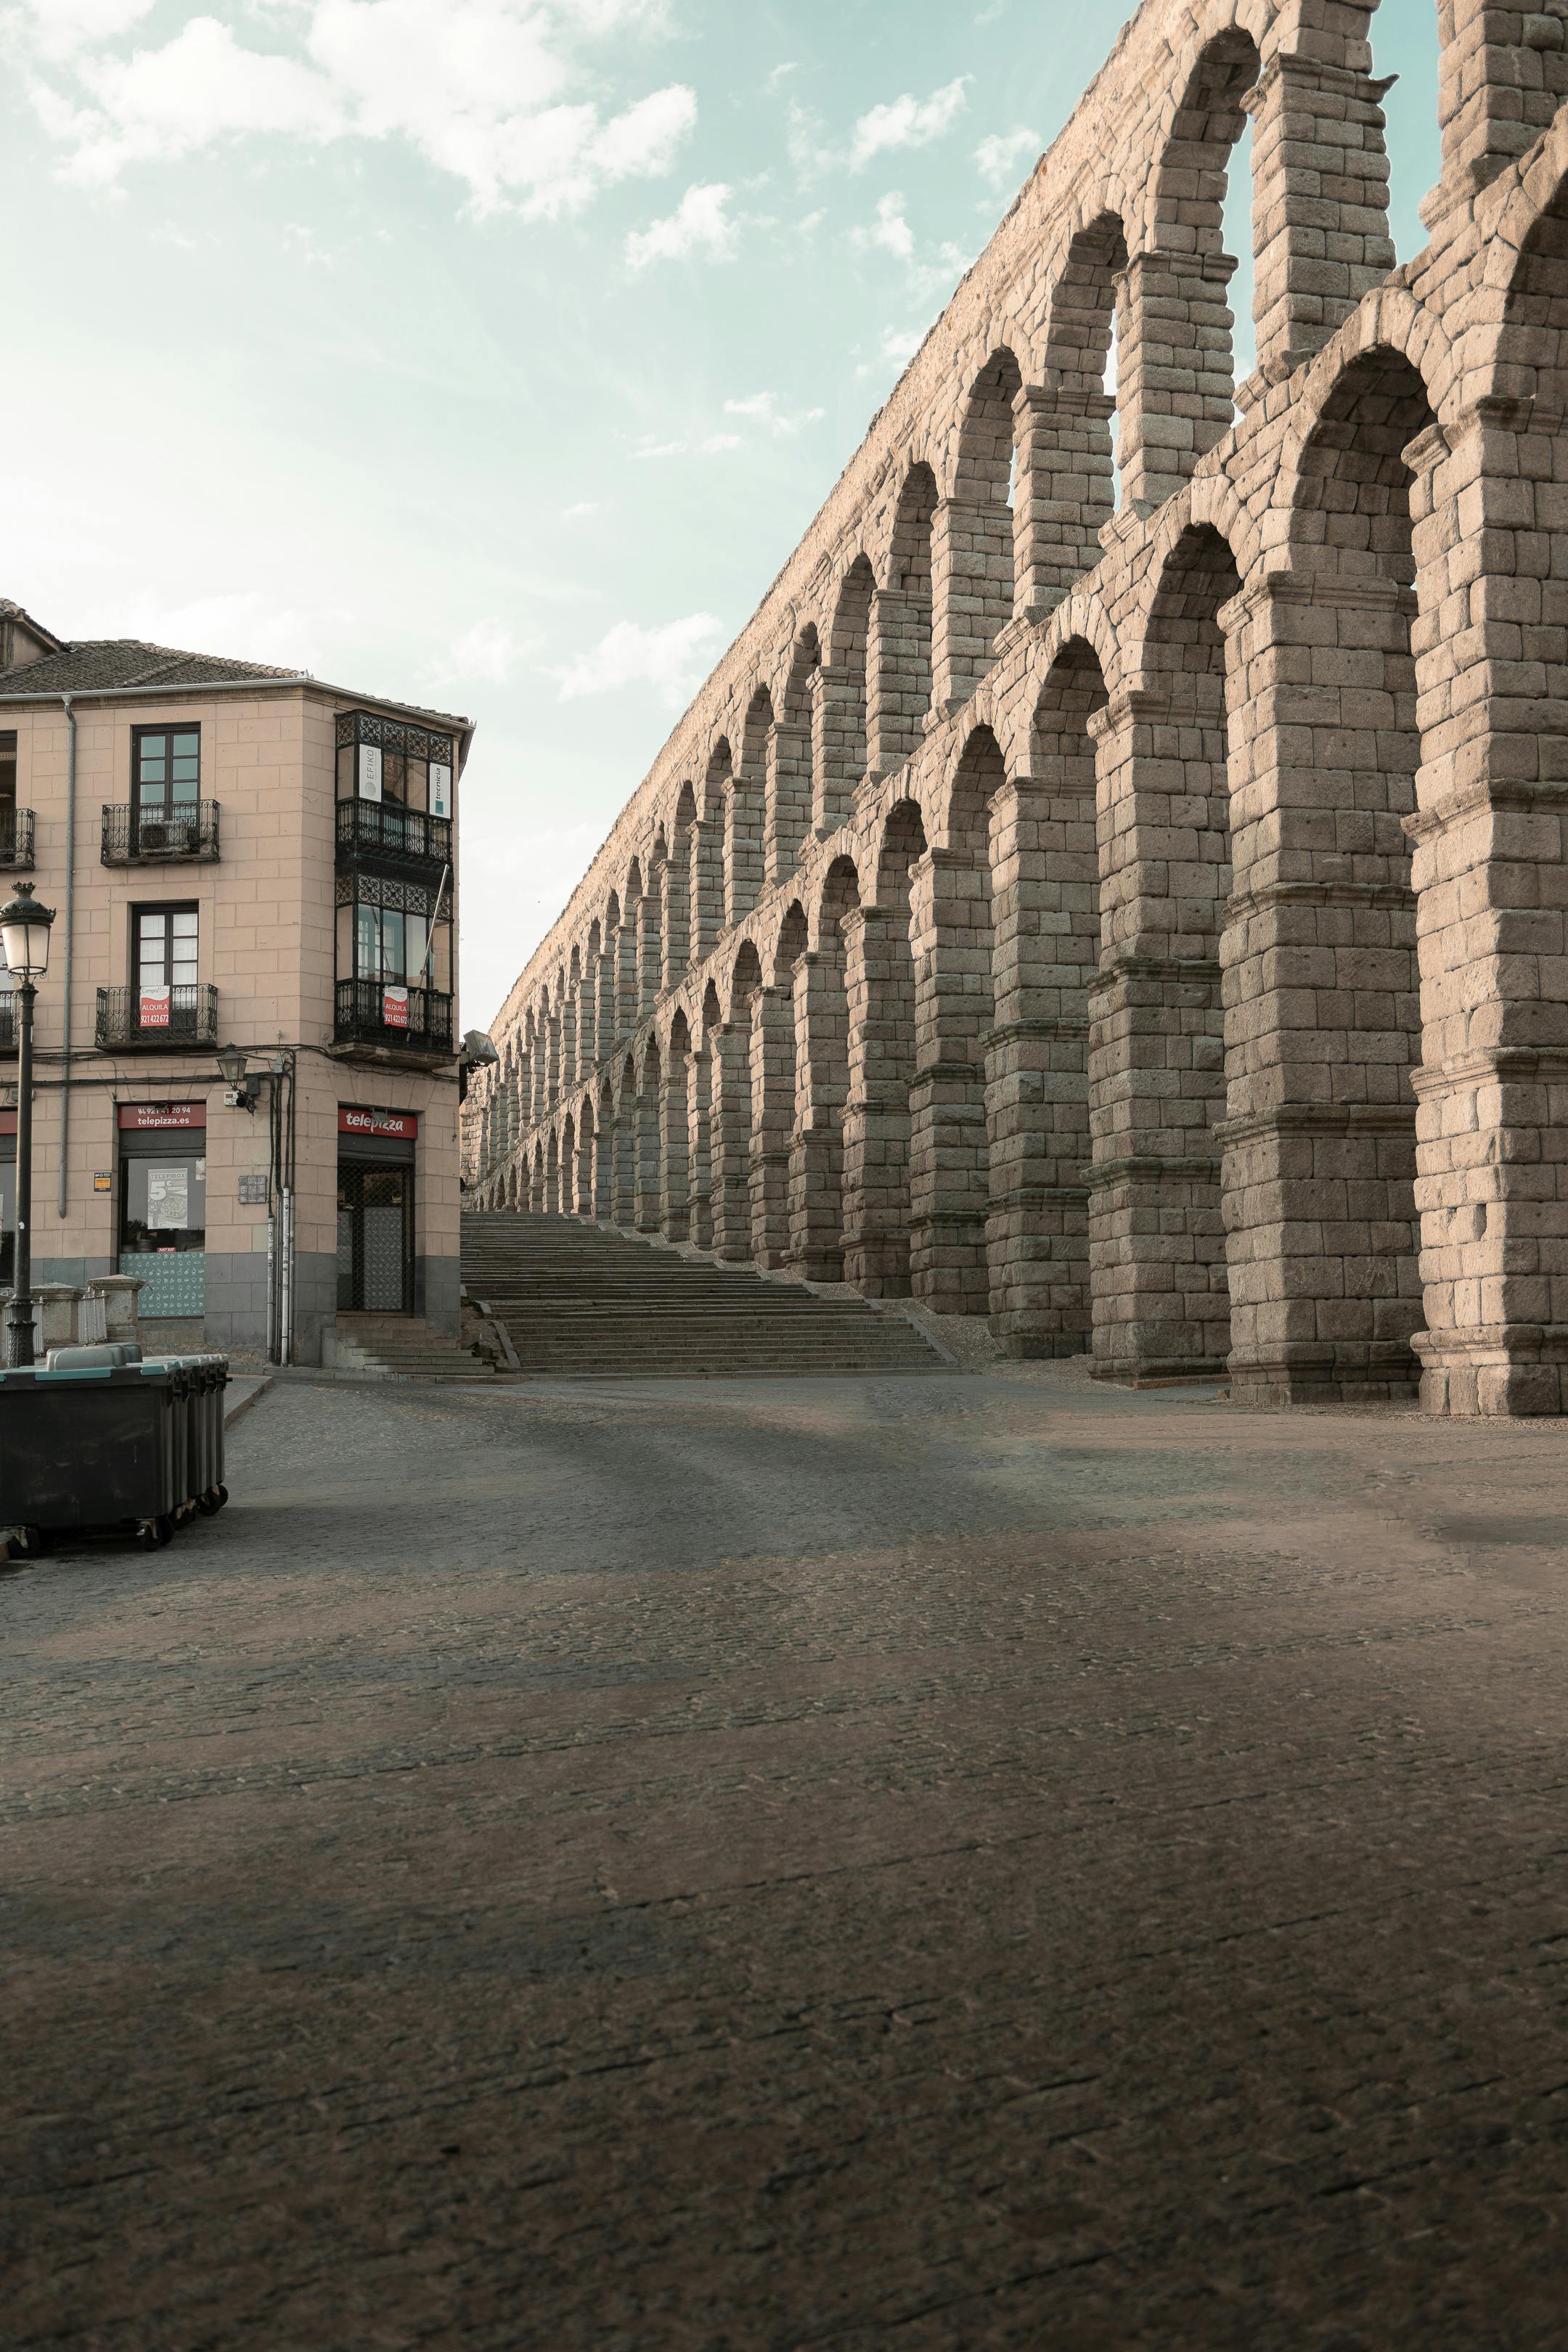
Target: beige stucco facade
275, 891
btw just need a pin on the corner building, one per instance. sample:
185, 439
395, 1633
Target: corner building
1132, 904
245, 857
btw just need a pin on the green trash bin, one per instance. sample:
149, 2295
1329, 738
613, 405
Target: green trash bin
90, 1440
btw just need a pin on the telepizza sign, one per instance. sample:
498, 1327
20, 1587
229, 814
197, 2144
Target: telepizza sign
136, 1115
402, 1124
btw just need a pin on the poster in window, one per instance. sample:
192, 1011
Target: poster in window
440, 789
370, 772
168, 1199
394, 1008
154, 1012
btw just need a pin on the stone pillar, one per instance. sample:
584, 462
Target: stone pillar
552, 1178
606, 1039
1490, 841
817, 1142
624, 1155
787, 814
536, 1186
730, 1176
1502, 75
602, 1196
772, 1115
627, 1014
674, 1149
1156, 1054
650, 954
676, 921
1319, 173
648, 1205
552, 1078
707, 886
1318, 987
742, 848
588, 1017
1046, 895
837, 742
879, 984
1177, 394
700, 1155
972, 594
55, 1323
1066, 492
898, 679
951, 925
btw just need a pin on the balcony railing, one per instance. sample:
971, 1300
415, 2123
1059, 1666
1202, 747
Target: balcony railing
392, 834
8, 1023
16, 838
410, 1021
139, 1019
133, 837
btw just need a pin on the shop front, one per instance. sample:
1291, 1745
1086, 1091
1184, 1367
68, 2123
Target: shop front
163, 1205
375, 1210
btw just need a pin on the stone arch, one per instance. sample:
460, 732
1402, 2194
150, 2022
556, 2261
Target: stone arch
789, 799
840, 753
1073, 456
822, 1077
1322, 1021
881, 987
899, 673
1046, 863
1393, 322
647, 1185
973, 565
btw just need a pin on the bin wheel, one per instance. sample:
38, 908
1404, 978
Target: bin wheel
163, 1530
222, 1496
27, 1543
147, 1535
208, 1504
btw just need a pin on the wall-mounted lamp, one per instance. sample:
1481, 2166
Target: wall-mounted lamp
231, 1062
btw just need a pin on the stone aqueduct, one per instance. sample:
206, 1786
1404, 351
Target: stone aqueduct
1143, 923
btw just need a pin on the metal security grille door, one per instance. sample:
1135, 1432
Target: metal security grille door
375, 1228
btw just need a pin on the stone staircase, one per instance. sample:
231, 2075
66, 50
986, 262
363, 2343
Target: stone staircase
401, 1347
579, 1300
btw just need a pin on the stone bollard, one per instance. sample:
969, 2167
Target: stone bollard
119, 1293
57, 1303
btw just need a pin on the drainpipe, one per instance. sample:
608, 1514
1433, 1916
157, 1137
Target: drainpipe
70, 942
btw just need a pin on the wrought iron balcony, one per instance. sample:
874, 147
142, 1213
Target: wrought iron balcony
133, 837
385, 833
136, 1019
17, 839
8, 1023
407, 1021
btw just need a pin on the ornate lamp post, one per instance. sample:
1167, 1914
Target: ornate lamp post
25, 938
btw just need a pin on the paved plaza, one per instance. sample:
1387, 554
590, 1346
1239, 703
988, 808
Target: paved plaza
938, 1863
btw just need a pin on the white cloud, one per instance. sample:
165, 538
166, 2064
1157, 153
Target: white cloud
670, 658
57, 27
890, 230
486, 651
710, 445
764, 408
244, 625
1002, 156
480, 88
897, 348
583, 507
699, 225
909, 121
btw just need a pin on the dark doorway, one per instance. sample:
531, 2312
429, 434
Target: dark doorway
376, 1238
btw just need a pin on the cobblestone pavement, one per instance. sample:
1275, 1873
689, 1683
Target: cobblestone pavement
931, 1864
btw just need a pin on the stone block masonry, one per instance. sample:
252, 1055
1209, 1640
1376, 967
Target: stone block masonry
1145, 922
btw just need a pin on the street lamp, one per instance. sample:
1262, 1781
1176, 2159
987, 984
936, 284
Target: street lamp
231, 1062
25, 938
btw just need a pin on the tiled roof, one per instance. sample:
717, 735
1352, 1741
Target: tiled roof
109, 662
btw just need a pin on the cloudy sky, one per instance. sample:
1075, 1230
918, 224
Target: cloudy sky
493, 354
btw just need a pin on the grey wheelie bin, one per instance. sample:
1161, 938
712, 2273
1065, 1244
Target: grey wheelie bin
89, 1440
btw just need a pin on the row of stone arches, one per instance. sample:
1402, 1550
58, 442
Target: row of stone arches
1196, 983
